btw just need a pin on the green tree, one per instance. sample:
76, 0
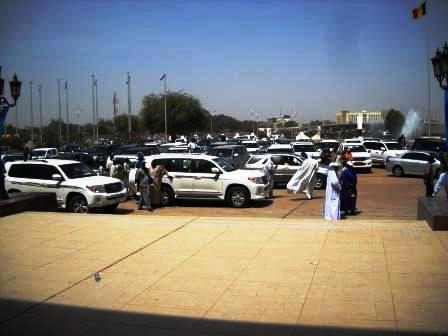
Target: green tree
394, 122
185, 114
291, 123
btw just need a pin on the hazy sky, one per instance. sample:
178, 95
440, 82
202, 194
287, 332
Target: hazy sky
312, 56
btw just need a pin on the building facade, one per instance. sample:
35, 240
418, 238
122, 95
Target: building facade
347, 117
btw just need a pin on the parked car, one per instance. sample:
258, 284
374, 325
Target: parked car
306, 146
287, 166
280, 149
100, 153
412, 163
77, 156
10, 156
327, 144
381, 150
131, 153
236, 155
207, 177
44, 153
251, 145
361, 158
78, 188
428, 144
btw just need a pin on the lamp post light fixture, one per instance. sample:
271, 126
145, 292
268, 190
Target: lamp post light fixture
440, 67
14, 86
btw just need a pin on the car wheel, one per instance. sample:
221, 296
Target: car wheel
320, 182
397, 171
238, 197
110, 207
166, 196
78, 204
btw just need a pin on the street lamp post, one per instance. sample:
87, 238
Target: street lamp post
93, 108
128, 82
166, 129
14, 86
31, 112
40, 113
440, 67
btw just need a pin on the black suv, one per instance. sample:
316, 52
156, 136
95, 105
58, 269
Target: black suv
428, 144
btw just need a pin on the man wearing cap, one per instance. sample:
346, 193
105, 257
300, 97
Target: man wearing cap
332, 210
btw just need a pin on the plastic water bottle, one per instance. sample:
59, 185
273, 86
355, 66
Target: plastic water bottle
97, 277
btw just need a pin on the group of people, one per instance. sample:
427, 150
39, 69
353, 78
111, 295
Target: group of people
148, 181
341, 191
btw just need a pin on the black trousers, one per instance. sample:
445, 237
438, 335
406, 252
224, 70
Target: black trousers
429, 188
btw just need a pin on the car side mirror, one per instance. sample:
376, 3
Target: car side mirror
236, 155
383, 149
369, 151
216, 170
57, 177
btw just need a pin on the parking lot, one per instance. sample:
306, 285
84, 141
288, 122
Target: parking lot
380, 195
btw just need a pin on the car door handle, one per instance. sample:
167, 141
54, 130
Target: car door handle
197, 177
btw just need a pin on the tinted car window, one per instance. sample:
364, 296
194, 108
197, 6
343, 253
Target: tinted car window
16, 170
33, 171
422, 157
410, 156
178, 165
201, 166
221, 152
77, 170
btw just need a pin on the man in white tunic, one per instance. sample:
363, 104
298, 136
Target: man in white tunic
332, 201
304, 179
269, 169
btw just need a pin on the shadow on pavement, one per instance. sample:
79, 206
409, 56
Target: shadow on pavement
56, 319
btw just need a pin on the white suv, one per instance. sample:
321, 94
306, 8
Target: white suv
382, 150
361, 158
78, 188
208, 177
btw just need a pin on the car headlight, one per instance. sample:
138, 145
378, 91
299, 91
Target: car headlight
256, 180
96, 188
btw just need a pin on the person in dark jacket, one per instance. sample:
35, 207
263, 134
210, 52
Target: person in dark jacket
3, 193
26, 154
428, 177
443, 178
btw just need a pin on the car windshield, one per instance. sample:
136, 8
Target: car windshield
221, 152
304, 148
77, 170
283, 141
251, 145
357, 148
224, 164
394, 146
255, 159
38, 153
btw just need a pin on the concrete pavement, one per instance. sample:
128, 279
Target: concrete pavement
162, 275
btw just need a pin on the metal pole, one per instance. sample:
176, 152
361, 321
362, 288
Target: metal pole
31, 112
79, 137
93, 107
128, 82
166, 128
66, 109
446, 118
97, 113
17, 119
40, 113
114, 101
60, 111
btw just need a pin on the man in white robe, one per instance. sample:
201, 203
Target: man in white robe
304, 179
269, 169
332, 210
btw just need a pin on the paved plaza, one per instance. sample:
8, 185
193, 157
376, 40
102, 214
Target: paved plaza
202, 276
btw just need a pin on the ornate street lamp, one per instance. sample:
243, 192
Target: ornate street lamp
14, 85
440, 66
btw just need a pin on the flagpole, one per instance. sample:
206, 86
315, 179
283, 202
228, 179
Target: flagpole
93, 109
59, 111
66, 111
428, 61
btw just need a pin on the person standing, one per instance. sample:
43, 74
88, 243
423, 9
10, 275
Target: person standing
443, 178
192, 145
3, 193
348, 181
26, 154
428, 177
269, 170
144, 184
332, 210
109, 164
156, 173
304, 179
402, 140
